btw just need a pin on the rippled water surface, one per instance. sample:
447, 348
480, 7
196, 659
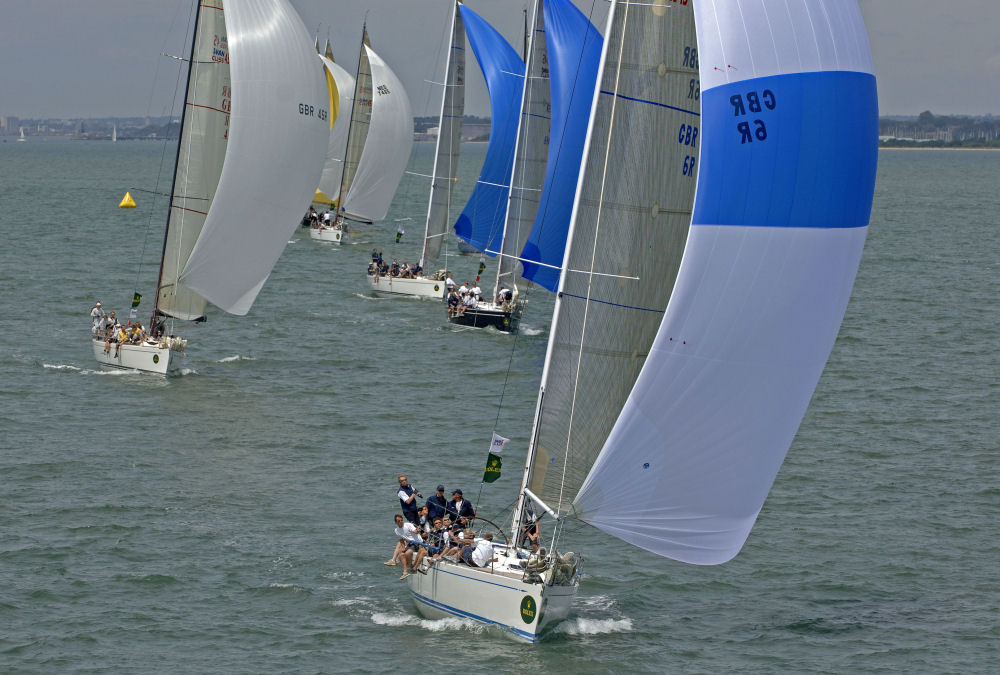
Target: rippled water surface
234, 519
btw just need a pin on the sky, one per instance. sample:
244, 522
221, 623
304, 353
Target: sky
103, 58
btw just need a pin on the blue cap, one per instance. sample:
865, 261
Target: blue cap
441, 488
457, 492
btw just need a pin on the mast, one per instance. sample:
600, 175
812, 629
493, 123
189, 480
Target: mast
437, 145
529, 42
533, 440
177, 159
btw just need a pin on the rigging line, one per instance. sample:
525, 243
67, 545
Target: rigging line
593, 255
560, 267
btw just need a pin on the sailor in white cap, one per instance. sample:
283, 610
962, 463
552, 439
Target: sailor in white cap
97, 314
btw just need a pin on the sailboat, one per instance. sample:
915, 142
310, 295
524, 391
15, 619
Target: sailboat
379, 140
716, 233
21, 138
443, 175
256, 120
562, 68
114, 133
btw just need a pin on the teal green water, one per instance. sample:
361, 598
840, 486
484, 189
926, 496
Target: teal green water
234, 519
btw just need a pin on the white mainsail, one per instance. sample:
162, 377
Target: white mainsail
279, 127
333, 169
200, 156
530, 154
387, 144
445, 171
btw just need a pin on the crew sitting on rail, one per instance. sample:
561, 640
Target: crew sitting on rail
504, 295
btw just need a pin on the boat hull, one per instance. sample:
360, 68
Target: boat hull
523, 609
157, 359
420, 288
330, 235
489, 315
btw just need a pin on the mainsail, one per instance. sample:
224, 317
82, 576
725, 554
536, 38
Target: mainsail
530, 154
481, 221
449, 142
387, 143
278, 131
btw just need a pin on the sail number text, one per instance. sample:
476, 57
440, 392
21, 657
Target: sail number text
688, 136
312, 111
752, 102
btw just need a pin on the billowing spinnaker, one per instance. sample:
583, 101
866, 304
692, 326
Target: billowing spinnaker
387, 148
482, 219
787, 171
574, 46
333, 169
279, 128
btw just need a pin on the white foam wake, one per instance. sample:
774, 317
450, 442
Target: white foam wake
436, 625
580, 626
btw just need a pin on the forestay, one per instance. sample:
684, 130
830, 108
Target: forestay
279, 127
200, 157
574, 55
784, 196
482, 219
449, 142
387, 148
631, 218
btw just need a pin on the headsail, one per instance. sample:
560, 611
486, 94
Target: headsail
387, 146
574, 55
448, 142
789, 131
481, 221
279, 128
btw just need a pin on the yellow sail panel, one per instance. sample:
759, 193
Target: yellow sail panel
322, 198
331, 88
127, 202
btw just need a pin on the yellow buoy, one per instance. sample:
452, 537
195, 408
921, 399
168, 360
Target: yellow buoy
127, 202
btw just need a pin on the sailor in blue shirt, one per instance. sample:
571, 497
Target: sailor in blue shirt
437, 505
408, 500
459, 507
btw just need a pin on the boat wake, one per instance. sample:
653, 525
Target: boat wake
436, 625
526, 330
580, 626
237, 357
61, 366
87, 371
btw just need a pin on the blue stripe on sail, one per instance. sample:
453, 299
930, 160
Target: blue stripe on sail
481, 221
574, 49
796, 150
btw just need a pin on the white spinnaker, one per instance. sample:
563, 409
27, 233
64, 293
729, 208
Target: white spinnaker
277, 146
387, 149
752, 319
449, 142
333, 169
199, 161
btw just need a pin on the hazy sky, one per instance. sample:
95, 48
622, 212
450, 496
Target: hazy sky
101, 58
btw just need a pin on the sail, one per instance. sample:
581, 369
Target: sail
279, 128
333, 169
448, 142
574, 46
200, 155
481, 221
387, 146
627, 235
361, 114
531, 153
789, 147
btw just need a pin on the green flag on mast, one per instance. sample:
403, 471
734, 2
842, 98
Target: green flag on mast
493, 462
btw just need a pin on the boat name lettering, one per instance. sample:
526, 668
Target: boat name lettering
383, 90
694, 89
755, 103
691, 57
688, 135
312, 111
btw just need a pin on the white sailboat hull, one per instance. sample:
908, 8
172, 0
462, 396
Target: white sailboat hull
147, 358
331, 235
421, 288
490, 597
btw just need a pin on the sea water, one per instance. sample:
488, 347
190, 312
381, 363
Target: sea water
235, 518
